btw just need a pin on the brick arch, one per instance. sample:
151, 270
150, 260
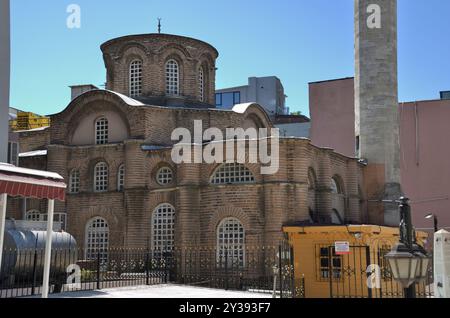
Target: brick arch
249, 109
169, 48
208, 60
70, 113
90, 103
159, 199
228, 212
122, 52
134, 56
340, 183
155, 161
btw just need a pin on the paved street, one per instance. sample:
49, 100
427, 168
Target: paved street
161, 291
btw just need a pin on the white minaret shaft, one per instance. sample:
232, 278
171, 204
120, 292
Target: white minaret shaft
4, 77
376, 98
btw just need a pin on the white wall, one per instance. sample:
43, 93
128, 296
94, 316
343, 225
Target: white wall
261, 90
4, 77
295, 130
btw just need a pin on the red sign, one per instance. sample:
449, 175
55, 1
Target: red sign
342, 248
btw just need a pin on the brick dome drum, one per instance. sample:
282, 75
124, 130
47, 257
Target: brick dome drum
147, 57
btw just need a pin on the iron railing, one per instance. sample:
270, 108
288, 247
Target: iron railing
364, 273
254, 269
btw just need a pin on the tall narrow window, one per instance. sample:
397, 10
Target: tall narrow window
163, 222
201, 84
97, 240
337, 201
101, 131
121, 178
312, 194
74, 182
136, 78
230, 243
101, 177
172, 78
335, 186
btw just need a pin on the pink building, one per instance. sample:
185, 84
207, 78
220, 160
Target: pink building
424, 133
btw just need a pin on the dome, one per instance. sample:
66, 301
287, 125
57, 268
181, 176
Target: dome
161, 69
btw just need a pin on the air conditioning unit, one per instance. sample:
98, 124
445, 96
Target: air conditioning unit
442, 264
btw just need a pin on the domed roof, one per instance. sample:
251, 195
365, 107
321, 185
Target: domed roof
155, 37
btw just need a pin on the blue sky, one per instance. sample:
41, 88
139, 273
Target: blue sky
299, 41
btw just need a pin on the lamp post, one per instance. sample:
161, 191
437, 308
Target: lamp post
408, 261
435, 220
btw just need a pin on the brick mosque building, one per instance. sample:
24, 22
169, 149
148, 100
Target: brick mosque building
113, 147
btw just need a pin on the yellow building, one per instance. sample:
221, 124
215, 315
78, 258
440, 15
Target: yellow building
27, 121
344, 261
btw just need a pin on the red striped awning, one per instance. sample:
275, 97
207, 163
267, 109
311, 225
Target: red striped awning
29, 186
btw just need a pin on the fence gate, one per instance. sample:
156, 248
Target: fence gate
347, 273
363, 273
287, 285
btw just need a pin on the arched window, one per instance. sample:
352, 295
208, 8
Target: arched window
230, 243
201, 84
101, 131
121, 178
312, 194
172, 78
164, 176
136, 78
101, 177
336, 217
336, 185
337, 201
232, 173
97, 239
33, 215
163, 222
74, 182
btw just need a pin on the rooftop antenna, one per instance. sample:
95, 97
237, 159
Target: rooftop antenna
159, 25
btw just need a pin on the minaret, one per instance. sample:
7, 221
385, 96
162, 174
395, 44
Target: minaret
4, 77
376, 105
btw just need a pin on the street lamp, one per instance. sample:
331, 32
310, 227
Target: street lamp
408, 261
424, 263
404, 265
435, 220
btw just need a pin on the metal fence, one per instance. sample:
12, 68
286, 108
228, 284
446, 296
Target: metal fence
364, 273
253, 269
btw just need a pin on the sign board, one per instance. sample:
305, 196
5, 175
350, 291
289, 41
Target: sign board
342, 248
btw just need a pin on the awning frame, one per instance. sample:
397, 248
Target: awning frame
27, 183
